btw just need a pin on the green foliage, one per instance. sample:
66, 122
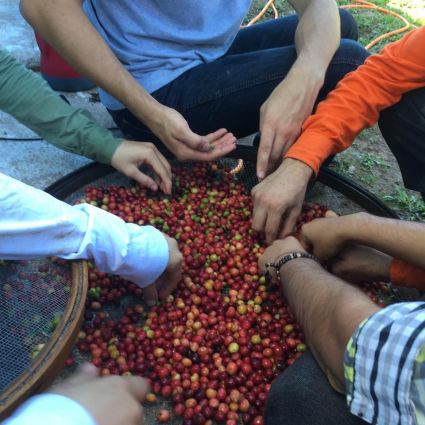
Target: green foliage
410, 206
371, 23
371, 161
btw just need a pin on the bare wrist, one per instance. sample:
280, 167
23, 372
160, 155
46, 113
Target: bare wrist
296, 267
145, 107
274, 267
313, 75
297, 168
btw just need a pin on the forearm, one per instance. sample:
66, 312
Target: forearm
359, 98
65, 26
33, 224
328, 310
316, 39
404, 240
28, 98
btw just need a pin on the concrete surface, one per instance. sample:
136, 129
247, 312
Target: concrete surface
34, 162
16, 36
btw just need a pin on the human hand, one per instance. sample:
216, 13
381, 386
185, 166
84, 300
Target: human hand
277, 250
278, 199
281, 118
129, 156
328, 236
111, 400
174, 131
169, 279
358, 263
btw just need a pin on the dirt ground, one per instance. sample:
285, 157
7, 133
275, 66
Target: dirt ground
370, 162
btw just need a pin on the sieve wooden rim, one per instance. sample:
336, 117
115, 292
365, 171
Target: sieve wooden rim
45, 367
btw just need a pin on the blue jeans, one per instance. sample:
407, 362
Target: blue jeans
229, 91
302, 395
403, 128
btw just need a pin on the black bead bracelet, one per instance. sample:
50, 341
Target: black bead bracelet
288, 257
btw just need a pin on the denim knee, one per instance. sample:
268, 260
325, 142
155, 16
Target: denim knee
349, 28
302, 395
294, 398
403, 128
284, 393
351, 52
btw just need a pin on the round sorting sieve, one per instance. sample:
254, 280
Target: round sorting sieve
41, 308
73, 188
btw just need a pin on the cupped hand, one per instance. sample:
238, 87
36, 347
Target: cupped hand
281, 118
278, 199
167, 282
111, 400
174, 131
129, 156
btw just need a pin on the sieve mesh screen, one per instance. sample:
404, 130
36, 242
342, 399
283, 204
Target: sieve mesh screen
33, 296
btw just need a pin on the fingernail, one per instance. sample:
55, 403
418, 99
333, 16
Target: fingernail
154, 187
261, 175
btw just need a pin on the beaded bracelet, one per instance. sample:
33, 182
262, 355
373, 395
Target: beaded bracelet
288, 257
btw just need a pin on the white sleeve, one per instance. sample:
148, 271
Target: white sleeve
34, 224
50, 409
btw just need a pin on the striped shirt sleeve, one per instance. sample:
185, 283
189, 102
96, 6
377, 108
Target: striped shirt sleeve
384, 366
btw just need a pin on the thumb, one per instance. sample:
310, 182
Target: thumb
330, 213
150, 294
289, 223
138, 387
217, 135
84, 373
305, 240
195, 141
87, 371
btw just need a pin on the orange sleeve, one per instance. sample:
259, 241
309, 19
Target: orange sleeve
407, 275
358, 99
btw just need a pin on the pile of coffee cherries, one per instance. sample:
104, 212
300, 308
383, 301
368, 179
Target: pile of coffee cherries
215, 345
